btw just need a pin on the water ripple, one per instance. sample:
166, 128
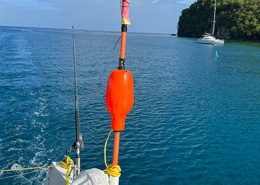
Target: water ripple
195, 119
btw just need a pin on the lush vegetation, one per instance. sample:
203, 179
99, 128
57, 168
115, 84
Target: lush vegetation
236, 19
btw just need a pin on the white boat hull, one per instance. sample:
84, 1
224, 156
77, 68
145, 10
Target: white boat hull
208, 39
219, 42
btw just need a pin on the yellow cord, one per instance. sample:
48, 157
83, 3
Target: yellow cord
105, 147
67, 163
17, 175
23, 169
113, 170
67, 175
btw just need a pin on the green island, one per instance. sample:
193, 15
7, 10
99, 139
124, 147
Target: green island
235, 19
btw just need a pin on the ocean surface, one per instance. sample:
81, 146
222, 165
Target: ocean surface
195, 119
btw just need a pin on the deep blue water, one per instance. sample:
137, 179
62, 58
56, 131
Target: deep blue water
195, 120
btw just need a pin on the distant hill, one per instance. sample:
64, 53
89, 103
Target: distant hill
236, 19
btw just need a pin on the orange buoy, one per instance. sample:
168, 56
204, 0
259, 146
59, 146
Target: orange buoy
119, 97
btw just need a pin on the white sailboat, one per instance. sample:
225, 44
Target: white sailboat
208, 38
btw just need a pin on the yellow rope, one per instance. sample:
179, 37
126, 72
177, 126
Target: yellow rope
67, 175
105, 147
17, 175
113, 170
67, 163
23, 169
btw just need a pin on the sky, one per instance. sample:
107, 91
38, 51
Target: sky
146, 16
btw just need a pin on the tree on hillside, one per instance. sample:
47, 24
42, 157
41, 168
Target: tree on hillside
238, 19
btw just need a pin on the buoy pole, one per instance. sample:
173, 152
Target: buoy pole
120, 93
114, 180
116, 148
123, 47
121, 65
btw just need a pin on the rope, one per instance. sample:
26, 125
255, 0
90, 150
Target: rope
23, 169
113, 170
67, 163
16, 175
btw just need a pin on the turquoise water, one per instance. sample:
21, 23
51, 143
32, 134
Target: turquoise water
196, 118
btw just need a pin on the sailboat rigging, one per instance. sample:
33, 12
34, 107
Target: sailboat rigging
209, 38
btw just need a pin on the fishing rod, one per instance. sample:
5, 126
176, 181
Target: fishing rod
79, 141
119, 95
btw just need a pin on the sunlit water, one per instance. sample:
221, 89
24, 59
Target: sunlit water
195, 120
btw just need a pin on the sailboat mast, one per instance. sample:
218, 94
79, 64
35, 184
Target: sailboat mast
214, 17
